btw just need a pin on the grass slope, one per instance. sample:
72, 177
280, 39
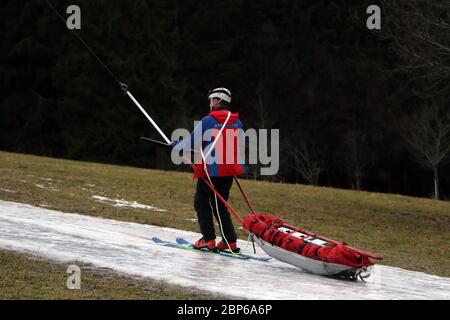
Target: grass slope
411, 233
23, 277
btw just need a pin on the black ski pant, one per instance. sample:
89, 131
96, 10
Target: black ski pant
205, 205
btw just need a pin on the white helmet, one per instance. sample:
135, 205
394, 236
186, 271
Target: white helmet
223, 94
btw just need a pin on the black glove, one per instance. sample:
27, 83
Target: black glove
123, 87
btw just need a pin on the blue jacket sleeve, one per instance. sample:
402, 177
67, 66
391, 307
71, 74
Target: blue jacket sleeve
197, 133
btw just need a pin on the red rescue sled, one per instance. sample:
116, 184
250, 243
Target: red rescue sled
307, 250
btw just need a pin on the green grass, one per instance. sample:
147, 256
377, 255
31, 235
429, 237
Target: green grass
24, 277
411, 233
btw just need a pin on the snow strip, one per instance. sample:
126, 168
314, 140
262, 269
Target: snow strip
126, 247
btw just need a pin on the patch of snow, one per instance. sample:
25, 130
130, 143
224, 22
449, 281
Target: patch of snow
49, 179
125, 203
7, 190
126, 247
51, 188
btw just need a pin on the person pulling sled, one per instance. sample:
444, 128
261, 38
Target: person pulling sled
219, 173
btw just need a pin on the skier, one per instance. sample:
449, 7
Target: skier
219, 173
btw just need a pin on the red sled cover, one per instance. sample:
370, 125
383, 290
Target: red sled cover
278, 233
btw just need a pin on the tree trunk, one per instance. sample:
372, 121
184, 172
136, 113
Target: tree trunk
316, 178
436, 184
358, 183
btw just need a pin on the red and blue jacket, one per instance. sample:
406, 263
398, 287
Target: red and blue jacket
224, 160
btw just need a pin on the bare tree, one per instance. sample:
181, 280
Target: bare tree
428, 136
419, 31
357, 156
267, 66
259, 103
308, 158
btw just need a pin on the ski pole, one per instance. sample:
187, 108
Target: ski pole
125, 90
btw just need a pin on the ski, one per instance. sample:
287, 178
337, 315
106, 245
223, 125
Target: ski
188, 246
183, 244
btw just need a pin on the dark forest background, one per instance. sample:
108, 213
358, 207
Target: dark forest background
357, 108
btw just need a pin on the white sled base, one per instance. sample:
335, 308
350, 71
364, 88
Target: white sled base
311, 265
